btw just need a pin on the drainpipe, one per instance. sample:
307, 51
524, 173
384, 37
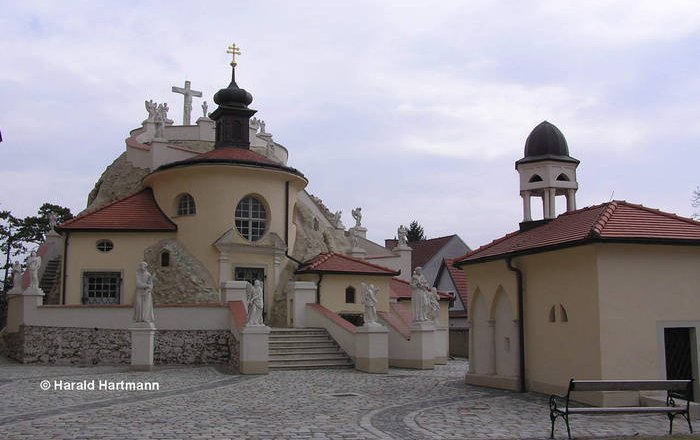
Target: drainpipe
318, 288
521, 324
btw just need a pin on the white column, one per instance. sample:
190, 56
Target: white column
527, 213
224, 269
552, 203
545, 203
571, 200
492, 347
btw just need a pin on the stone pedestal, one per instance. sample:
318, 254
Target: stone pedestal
233, 291
254, 349
422, 351
404, 252
358, 252
359, 231
21, 307
142, 344
442, 344
372, 349
303, 293
206, 129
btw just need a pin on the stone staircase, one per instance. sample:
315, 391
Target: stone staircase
50, 281
305, 349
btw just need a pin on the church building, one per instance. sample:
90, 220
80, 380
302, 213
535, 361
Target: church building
207, 206
610, 291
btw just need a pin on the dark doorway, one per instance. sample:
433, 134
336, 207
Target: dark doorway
679, 362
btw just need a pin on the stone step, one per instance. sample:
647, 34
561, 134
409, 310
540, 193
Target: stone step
308, 357
301, 349
306, 365
298, 350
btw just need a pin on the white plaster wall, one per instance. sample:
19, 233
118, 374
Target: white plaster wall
343, 337
506, 338
480, 362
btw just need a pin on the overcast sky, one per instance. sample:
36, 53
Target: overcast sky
408, 109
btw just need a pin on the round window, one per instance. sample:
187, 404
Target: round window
251, 218
105, 245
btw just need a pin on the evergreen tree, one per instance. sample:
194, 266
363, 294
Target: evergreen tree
415, 232
695, 202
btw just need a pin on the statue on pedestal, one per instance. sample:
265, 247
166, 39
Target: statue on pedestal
143, 297
357, 215
16, 276
254, 302
433, 305
33, 265
369, 300
403, 234
419, 295
205, 109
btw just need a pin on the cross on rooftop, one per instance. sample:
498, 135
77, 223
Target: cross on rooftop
233, 50
189, 93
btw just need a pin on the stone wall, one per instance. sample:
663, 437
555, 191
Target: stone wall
87, 346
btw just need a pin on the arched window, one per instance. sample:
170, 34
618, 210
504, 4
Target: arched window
165, 258
350, 295
185, 205
563, 177
535, 178
251, 218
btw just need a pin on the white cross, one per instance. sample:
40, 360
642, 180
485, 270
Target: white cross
189, 93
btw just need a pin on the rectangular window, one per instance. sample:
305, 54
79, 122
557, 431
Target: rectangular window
249, 274
102, 287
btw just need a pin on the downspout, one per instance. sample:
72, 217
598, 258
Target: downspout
521, 324
318, 288
65, 265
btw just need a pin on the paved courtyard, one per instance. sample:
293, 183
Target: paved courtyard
210, 403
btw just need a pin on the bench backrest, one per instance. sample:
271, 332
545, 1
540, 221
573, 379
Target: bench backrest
629, 385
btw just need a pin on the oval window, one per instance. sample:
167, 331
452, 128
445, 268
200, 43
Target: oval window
251, 218
105, 245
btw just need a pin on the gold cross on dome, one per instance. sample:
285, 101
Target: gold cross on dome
233, 50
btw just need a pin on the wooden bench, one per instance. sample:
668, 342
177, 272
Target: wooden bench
559, 406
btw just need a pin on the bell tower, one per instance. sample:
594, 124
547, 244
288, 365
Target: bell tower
547, 171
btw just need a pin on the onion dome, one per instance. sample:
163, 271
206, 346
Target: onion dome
546, 142
233, 96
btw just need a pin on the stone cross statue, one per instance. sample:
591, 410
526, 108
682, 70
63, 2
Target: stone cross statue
254, 302
189, 93
369, 300
143, 297
357, 215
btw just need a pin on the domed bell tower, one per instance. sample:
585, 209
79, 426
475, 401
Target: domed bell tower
233, 115
547, 171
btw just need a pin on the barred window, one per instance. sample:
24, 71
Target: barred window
251, 218
102, 287
185, 205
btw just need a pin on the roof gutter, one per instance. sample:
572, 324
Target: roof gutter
521, 317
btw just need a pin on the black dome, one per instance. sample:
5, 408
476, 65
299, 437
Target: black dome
546, 139
233, 96
546, 142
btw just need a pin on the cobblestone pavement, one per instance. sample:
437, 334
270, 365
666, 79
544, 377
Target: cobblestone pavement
211, 403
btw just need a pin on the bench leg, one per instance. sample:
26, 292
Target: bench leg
568, 430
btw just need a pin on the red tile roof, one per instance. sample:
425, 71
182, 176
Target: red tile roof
616, 221
137, 212
458, 278
330, 262
424, 250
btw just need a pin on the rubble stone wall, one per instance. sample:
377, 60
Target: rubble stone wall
91, 346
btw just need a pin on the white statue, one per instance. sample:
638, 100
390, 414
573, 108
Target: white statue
433, 305
270, 149
53, 220
151, 108
255, 124
33, 265
254, 302
205, 109
357, 215
403, 234
143, 297
16, 276
160, 119
262, 127
419, 290
369, 300
353, 240
336, 219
